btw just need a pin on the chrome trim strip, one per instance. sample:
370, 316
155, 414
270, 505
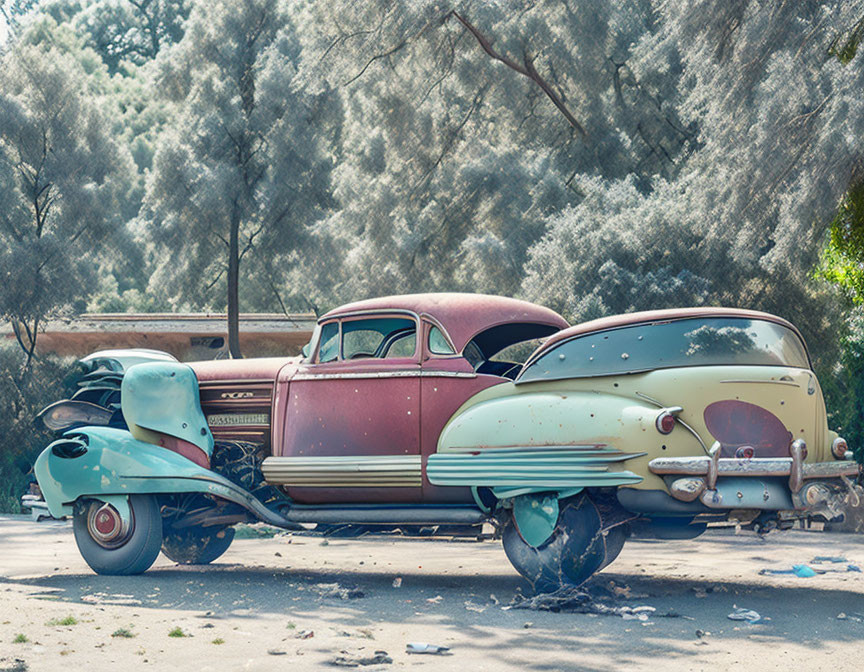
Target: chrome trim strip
397, 471
384, 374
235, 381
769, 382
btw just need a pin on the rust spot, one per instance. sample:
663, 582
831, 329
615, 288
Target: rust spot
737, 423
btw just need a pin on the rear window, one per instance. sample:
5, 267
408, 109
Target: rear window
660, 345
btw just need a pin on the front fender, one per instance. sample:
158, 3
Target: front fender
102, 461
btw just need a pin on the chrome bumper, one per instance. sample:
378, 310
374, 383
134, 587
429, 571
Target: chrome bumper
699, 474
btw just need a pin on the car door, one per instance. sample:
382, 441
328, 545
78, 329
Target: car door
352, 424
448, 381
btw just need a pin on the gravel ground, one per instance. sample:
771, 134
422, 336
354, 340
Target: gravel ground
297, 602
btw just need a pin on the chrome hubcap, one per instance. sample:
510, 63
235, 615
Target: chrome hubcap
106, 525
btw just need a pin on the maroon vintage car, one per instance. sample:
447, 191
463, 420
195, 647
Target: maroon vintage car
402, 358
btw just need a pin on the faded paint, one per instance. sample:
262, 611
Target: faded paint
612, 410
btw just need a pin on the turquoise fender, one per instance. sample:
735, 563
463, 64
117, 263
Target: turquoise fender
103, 462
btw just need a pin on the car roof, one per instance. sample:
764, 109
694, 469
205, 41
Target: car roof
647, 316
462, 315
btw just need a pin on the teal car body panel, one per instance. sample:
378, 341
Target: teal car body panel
103, 462
163, 397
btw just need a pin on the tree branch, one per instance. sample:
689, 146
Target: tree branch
527, 69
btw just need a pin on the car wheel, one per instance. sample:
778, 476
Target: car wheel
111, 547
196, 545
578, 547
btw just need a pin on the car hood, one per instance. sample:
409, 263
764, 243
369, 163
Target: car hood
264, 368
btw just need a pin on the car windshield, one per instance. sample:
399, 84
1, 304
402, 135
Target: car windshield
659, 345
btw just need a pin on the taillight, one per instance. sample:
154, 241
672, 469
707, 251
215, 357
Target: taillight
665, 422
839, 448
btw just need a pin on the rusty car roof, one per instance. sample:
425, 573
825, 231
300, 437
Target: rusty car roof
462, 315
646, 316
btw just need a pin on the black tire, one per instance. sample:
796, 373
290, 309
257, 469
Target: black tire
196, 545
578, 547
138, 548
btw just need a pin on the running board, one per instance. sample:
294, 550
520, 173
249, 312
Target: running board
417, 515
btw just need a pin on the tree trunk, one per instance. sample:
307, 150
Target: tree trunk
233, 281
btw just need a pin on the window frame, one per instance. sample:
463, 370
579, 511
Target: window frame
536, 358
367, 315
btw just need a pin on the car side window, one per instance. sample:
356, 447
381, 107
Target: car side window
378, 338
438, 344
328, 351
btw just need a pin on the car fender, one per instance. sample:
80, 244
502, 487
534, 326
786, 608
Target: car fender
104, 462
552, 438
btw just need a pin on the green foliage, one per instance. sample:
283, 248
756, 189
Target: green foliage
68, 620
842, 261
20, 638
843, 385
23, 393
123, 633
845, 46
177, 632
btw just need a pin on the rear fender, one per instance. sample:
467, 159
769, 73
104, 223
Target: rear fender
105, 463
544, 440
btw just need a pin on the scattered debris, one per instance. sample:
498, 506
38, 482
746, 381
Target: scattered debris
305, 634
574, 600
749, 615
806, 571
528, 624
828, 558
858, 618
435, 600
397, 582
346, 659
338, 592
801, 571
493, 599
276, 652
473, 606
702, 633
423, 647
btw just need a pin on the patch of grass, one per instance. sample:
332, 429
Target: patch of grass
292, 626
69, 620
20, 639
177, 632
124, 633
218, 640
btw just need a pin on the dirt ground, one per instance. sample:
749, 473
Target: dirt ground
271, 604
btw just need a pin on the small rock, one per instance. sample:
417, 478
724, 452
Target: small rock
345, 659
276, 652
